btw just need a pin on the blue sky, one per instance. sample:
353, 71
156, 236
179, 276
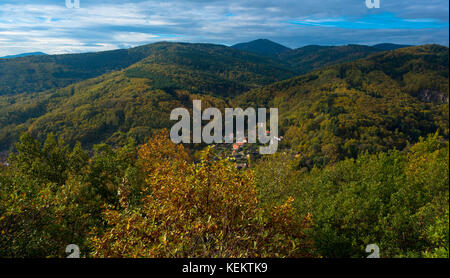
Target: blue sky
49, 26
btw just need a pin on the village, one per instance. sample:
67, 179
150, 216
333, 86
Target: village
242, 153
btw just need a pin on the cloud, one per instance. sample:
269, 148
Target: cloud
373, 21
48, 26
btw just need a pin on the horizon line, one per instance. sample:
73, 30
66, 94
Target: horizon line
10, 56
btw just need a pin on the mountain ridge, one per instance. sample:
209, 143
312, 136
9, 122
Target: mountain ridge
139, 97
372, 104
310, 57
136, 100
38, 73
23, 55
262, 46
390, 46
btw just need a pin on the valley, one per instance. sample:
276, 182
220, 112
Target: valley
362, 158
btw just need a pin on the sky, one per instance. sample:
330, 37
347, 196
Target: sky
51, 27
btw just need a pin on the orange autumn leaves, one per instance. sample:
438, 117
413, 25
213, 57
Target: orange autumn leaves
208, 209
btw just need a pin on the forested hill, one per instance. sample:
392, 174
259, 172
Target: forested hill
386, 101
262, 46
208, 69
351, 168
313, 57
138, 98
38, 73
390, 46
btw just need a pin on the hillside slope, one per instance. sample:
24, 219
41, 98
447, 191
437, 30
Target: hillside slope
39, 73
313, 57
386, 101
389, 46
137, 99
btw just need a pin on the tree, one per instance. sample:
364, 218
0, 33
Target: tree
208, 209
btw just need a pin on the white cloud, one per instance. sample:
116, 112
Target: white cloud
102, 25
133, 37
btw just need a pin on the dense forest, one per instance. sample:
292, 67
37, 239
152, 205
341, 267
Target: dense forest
385, 101
364, 157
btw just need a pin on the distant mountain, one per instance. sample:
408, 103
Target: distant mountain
39, 73
137, 99
389, 46
392, 96
23, 55
262, 46
312, 57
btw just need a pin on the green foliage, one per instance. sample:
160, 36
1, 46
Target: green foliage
387, 100
37, 194
51, 196
312, 57
438, 233
39, 73
157, 204
208, 209
397, 200
367, 105
138, 99
353, 168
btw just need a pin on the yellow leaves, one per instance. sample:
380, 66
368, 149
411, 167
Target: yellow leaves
208, 209
308, 217
164, 239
